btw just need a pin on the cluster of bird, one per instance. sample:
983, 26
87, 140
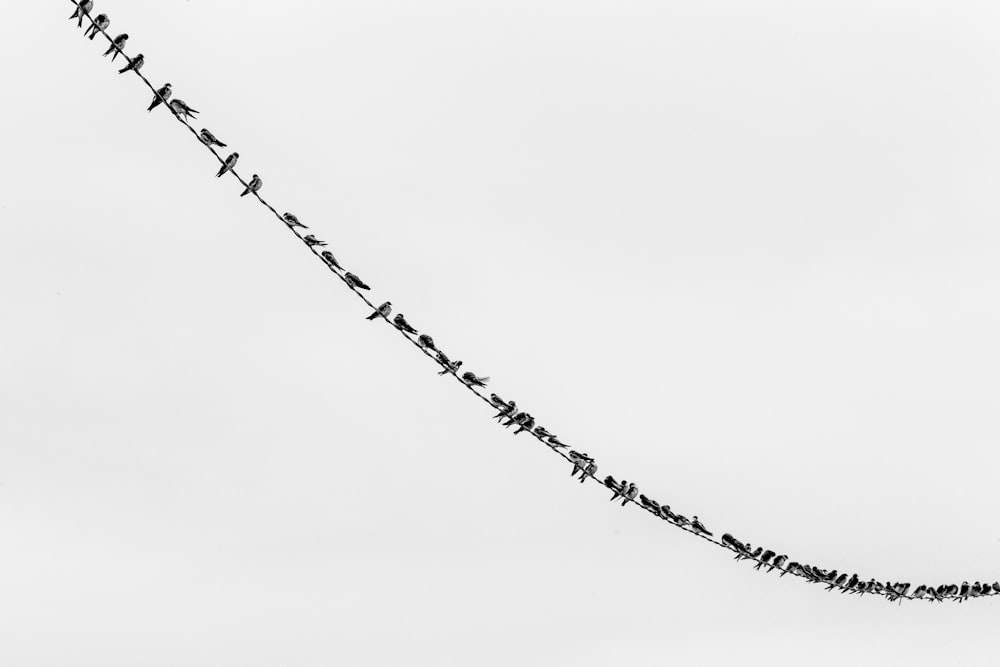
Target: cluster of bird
509, 415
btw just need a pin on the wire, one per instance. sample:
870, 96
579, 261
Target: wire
785, 568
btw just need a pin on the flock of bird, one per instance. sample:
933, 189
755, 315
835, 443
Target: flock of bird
509, 413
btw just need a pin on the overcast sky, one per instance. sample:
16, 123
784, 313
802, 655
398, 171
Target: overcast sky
743, 253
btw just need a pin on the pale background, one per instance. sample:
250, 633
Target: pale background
746, 254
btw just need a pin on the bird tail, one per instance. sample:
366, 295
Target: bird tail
373, 316
221, 172
445, 371
484, 380
219, 143
74, 14
125, 69
93, 34
245, 192
153, 104
110, 49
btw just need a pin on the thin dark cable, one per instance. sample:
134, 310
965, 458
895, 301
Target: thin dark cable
892, 596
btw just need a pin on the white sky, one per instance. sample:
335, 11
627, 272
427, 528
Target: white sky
745, 254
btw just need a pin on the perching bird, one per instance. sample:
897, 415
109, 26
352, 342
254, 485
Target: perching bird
117, 44
254, 186
555, 443
82, 8
838, 583
161, 95
591, 471
353, 280
610, 482
579, 465
995, 586
472, 379
312, 241
666, 513
528, 424
381, 311
228, 164
681, 520
518, 419
764, 558
135, 63
423, 340
100, 23
792, 567
290, 219
505, 407
402, 324
497, 401
632, 492
180, 108
452, 367
330, 259
209, 139
649, 503
542, 433
697, 525
619, 489
777, 562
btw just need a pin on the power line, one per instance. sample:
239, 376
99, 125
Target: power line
813, 575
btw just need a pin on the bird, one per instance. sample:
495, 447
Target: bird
963, 592
632, 492
209, 139
666, 513
471, 378
610, 482
162, 95
518, 419
681, 520
921, 590
542, 433
727, 539
381, 311
698, 526
649, 503
353, 281
579, 464
452, 367
777, 562
555, 443
423, 340
134, 64
619, 490
839, 581
505, 409
312, 241
228, 164
528, 424
765, 557
756, 554
591, 471
791, 568
100, 23
254, 186
180, 108
290, 219
82, 8
330, 259
402, 324
117, 44
995, 586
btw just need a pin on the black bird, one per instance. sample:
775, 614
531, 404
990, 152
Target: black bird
82, 8
117, 44
792, 567
162, 95
353, 281
777, 562
764, 558
100, 23
619, 490
698, 526
134, 64
331, 260
402, 324
528, 424
426, 341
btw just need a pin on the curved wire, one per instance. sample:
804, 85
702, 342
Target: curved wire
785, 568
